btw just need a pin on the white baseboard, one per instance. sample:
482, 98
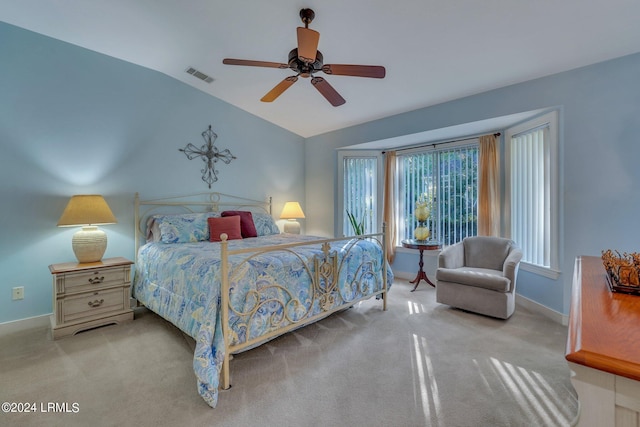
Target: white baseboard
45, 319
24, 324
404, 275
563, 319
527, 303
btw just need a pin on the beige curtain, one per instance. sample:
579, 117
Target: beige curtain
488, 187
388, 210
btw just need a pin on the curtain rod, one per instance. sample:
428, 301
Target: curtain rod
497, 134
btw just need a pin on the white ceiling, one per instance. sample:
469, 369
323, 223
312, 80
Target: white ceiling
433, 51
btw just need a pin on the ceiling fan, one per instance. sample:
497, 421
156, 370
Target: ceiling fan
305, 60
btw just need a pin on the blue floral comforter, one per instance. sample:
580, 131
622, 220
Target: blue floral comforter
181, 282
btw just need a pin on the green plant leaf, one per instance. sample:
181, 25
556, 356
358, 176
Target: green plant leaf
358, 227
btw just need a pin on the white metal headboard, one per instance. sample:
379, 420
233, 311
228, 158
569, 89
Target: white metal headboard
191, 203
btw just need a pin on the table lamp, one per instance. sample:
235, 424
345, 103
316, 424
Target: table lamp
291, 212
87, 211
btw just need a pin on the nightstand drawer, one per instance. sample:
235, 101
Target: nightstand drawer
85, 306
88, 280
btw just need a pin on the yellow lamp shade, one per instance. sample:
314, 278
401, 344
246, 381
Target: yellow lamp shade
86, 210
291, 212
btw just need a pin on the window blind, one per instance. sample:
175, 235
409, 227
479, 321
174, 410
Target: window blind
360, 189
530, 204
448, 179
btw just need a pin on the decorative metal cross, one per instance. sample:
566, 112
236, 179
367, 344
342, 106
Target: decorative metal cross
209, 154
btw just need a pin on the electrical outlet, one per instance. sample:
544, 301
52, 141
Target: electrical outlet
17, 293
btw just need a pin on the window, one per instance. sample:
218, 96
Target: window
446, 175
360, 190
531, 191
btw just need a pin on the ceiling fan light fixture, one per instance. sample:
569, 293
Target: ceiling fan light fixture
305, 60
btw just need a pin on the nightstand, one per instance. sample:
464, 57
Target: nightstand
87, 295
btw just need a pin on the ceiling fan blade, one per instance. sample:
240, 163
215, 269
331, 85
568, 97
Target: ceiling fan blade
280, 87
307, 44
327, 91
249, 63
374, 71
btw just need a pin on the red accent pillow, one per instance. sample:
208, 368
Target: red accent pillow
229, 225
247, 227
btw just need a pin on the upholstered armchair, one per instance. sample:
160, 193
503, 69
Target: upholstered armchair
479, 275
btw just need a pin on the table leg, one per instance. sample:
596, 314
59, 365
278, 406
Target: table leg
421, 274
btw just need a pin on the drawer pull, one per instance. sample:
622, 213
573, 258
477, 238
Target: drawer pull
96, 280
95, 303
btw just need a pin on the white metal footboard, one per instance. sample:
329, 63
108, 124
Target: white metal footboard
323, 271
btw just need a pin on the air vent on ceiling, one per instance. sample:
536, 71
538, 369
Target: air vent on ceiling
202, 76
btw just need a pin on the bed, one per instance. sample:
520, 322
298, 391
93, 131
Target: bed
232, 289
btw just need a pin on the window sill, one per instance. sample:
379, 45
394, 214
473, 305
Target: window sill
542, 271
532, 268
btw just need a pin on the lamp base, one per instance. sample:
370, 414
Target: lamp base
292, 226
89, 244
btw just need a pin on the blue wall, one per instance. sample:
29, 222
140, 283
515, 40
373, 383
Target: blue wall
73, 121
599, 128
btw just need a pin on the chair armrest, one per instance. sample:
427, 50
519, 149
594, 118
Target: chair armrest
452, 256
510, 266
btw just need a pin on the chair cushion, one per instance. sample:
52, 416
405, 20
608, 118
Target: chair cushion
473, 276
486, 252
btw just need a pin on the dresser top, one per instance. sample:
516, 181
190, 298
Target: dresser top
603, 325
67, 267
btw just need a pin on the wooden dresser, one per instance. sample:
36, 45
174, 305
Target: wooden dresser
91, 294
603, 348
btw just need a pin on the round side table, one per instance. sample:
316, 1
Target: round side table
421, 245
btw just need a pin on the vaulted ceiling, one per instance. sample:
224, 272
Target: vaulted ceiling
433, 51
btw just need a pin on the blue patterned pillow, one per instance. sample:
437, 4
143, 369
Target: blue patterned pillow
184, 228
265, 225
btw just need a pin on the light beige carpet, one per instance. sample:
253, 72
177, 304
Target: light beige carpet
418, 364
